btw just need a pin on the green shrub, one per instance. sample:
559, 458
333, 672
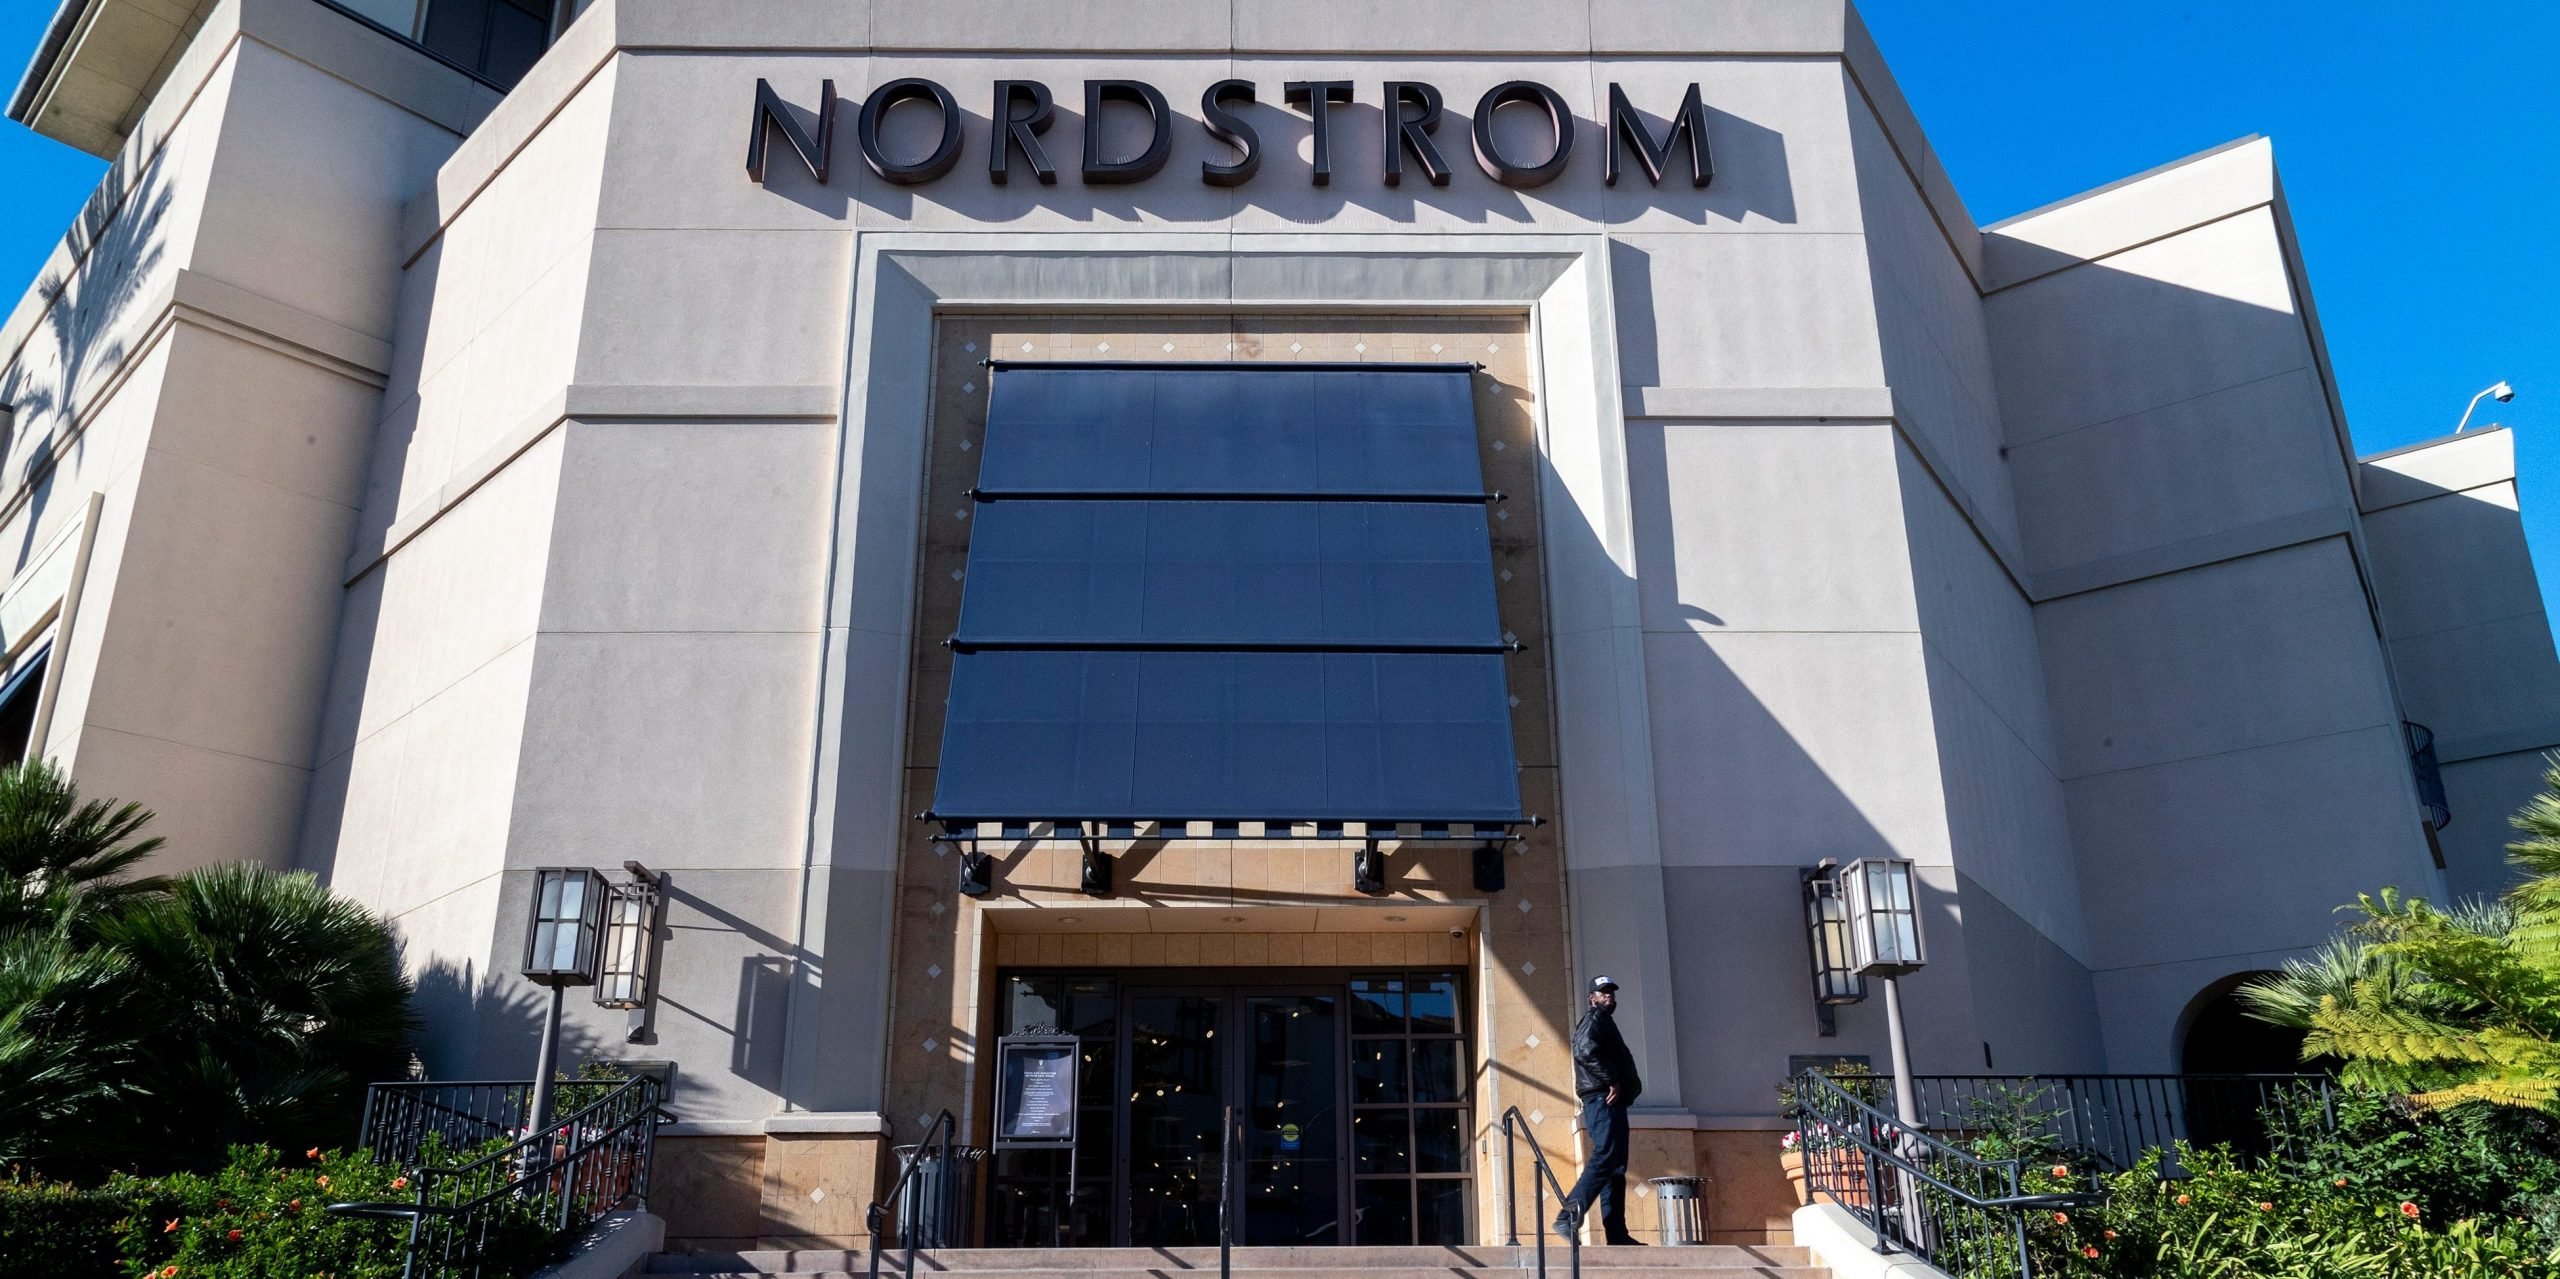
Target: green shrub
54, 1230
262, 1216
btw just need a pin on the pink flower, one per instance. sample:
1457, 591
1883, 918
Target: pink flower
2091, 1252
2060, 1172
2062, 1218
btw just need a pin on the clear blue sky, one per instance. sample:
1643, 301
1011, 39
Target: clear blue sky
2420, 146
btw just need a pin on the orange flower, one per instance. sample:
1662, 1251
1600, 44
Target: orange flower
233, 1235
312, 1153
2091, 1252
2408, 1210
2266, 1207
171, 1228
2060, 1171
294, 1204
2111, 1234
2184, 1200
168, 1272
399, 1183
324, 1181
2062, 1218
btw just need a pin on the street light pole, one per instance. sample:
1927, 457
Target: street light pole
545, 1062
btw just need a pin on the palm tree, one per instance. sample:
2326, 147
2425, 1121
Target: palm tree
63, 1053
63, 860
2449, 1006
270, 1004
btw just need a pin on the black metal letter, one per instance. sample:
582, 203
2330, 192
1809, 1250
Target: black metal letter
1313, 96
773, 113
1413, 132
1228, 127
1689, 122
1098, 171
1017, 127
1559, 122
885, 99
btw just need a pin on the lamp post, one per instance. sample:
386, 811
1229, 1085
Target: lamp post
1884, 942
562, 944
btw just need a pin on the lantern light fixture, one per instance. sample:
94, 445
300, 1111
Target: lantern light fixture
1826, 916
633, 912
563, 938
1884, 916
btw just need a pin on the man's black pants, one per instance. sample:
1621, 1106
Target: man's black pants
1604, 1178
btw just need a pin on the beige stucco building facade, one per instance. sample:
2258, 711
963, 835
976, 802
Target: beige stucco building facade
428, 463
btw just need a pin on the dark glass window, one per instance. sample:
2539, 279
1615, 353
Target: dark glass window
499, 40
1027, 1196
1412, 1128
19, 695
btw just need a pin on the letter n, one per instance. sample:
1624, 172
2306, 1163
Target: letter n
773, 113
1688, 125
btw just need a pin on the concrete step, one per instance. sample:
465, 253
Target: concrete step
1715, 1262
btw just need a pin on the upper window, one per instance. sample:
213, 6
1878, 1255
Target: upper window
496, 40
1228, 593
20, 693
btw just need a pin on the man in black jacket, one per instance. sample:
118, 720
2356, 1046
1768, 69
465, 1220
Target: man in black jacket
1604, 1076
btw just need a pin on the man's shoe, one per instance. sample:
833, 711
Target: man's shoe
1629, 1242
1565, 1223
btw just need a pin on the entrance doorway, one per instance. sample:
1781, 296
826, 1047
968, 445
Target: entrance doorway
1350, 1092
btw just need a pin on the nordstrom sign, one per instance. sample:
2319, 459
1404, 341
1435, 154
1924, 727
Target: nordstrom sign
1023, 111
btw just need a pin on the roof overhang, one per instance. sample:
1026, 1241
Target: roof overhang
98, 65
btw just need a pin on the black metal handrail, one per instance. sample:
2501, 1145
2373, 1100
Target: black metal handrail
1916, 1193
877, 1216
551, 1183
1515, 1126
401, 1117
1226, 1195
2112, 1120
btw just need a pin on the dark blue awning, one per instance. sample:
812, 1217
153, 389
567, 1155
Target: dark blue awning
1224, 593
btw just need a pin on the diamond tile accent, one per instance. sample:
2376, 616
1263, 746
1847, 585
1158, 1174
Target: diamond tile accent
961, 514
1026, 350
1509, 638
1532, 1041
938, 908
934, 970
1504, 516
1102, 348
1296, 347
955, 575
1499, 446
1361, 348
1524, 905
1506, 575
970, 347
817, 1194
924, 1121
965, 446
1515, 701
930, 1045
1168, 348
1644, 1192
1493, 346
1528, 968
968, 388
1537, 1116
1436, 348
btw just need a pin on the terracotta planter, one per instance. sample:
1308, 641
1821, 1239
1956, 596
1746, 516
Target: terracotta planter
1792, 1163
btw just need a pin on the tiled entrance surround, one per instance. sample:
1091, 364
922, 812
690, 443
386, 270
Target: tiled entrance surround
1247, 903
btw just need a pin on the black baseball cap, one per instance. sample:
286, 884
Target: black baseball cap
1603, 983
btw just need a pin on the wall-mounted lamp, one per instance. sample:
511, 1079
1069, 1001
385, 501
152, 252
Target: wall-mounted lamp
1826, 918
634, 919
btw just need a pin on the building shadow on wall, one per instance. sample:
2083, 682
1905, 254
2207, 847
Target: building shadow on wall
504, 1013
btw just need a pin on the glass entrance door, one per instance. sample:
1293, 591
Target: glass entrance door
1276, 1057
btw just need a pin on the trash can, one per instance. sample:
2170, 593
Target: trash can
1684, 1210
936, 1208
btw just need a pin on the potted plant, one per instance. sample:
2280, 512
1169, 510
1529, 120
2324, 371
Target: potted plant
1791, 1162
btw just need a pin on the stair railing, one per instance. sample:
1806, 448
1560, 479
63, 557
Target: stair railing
1917, 1194
1515, 1126
877, 1217
1226, 1195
